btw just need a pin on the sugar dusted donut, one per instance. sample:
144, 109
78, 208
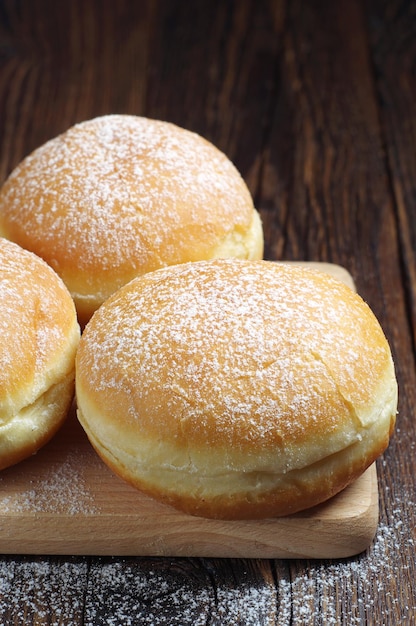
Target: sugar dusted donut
118, 196
39, 338
236, 389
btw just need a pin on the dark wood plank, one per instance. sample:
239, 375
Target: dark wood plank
214, 72
392, 31
392, 34
327, 194
195, 592
42, 590
64, 62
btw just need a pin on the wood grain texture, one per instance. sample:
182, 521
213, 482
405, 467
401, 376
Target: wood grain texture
315, 104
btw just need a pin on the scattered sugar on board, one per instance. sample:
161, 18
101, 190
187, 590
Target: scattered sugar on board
158, 592
62, 490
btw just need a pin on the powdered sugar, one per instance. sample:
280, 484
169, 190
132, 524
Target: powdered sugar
62, 490
42, 592
157, 592
320, 592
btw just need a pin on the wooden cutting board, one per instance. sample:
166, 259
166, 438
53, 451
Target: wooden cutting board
64, 500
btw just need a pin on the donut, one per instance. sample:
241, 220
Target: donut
236, 389
121, 195
39, 338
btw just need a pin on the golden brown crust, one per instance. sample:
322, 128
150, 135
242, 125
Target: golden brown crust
235, 388
40, 335
118, 196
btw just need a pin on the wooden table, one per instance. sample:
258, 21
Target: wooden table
315, 103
